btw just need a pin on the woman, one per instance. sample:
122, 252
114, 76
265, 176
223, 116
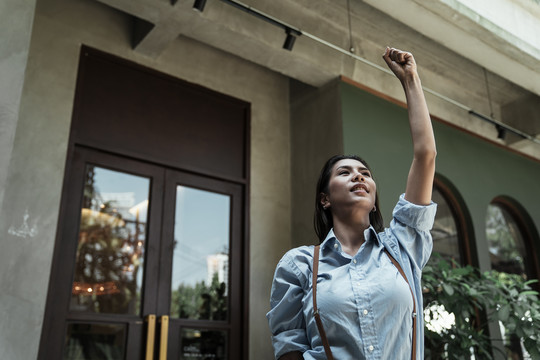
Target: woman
368, 278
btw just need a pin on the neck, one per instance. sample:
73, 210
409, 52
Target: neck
350, 232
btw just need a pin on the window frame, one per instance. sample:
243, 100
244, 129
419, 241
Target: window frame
461, 216
528, 232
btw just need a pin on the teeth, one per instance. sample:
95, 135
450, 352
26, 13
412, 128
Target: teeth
359, 188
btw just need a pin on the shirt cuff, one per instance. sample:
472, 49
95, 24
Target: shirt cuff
419, 217
288, 341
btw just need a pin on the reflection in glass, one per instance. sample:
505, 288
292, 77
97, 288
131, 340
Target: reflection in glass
444, 231
506, 245
112, 234
203, 345
94, 341
507, 253
201, 255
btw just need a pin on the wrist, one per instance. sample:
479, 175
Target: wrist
411, 79
411, 82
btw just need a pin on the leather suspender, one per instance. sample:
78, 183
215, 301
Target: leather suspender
322, 333
315, 309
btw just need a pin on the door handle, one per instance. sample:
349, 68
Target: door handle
163, 337
150, 336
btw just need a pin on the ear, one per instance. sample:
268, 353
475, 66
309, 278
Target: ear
324, 200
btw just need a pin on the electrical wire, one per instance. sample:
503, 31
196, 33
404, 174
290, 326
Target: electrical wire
277, 22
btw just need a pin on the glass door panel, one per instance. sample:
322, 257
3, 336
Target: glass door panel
95, 341
111, 244
203, 344
140, 243
202, 237
108, 276
200, 271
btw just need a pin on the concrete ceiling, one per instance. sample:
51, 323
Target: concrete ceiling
466, 32
452, 46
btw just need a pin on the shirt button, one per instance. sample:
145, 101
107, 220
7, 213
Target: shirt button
335, 246
354, 261
371, 348
365, 312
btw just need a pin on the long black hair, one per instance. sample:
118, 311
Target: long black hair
323, 217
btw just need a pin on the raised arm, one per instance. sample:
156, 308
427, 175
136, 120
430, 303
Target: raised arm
420, 179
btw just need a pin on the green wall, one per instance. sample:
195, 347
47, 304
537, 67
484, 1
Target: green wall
378, 131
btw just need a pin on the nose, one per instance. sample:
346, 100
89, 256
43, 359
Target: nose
358, 177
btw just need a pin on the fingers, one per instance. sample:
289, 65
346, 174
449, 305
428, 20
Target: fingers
396, 55
386, 56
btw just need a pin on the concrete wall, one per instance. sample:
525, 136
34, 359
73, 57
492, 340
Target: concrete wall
316, 134
16, 18
34, 179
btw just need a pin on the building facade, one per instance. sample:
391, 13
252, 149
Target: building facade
139, 138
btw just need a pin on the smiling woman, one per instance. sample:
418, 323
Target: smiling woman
323, 216
362, 281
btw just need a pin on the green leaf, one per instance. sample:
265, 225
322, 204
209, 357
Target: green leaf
503, 313
448, 289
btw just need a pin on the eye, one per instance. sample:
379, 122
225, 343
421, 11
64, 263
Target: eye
343, 172
366, 173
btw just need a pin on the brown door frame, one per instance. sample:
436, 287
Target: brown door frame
66, 246
97, 84
158, 257
234, 324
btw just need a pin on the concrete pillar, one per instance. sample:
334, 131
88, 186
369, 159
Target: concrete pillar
16, 18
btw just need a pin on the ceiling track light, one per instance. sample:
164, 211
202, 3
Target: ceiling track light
503, 129
290, 30
198, 5
501, 132
289, 40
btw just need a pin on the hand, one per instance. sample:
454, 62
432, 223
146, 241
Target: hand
401, 63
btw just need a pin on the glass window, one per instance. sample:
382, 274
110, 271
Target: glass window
203, 344
445, 229
200, 277
112, 234
507, 253
506, 243
94, 341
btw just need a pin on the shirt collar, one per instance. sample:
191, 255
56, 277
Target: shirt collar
331, 240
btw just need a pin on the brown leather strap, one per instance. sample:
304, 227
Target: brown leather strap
316, 311
396, 264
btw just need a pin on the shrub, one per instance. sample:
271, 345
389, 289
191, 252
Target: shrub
460, 301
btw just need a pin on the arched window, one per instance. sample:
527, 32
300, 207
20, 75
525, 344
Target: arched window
506, 245
449, 232
510, 237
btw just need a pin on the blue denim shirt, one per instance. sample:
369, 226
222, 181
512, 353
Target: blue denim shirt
364, 303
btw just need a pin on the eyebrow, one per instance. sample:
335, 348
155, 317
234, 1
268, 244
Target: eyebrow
348, 167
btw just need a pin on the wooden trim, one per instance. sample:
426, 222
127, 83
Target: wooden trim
438, 119
245, 235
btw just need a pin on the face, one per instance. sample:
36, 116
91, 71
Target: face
351, 186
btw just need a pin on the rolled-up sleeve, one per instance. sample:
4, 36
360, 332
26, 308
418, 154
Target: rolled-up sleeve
410, 226
286, 318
